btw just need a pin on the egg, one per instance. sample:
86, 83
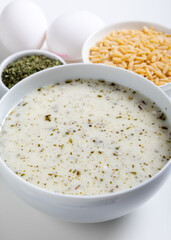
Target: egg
67, 33
22, 26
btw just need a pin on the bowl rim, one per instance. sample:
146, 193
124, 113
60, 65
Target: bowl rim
15, 56
84, 197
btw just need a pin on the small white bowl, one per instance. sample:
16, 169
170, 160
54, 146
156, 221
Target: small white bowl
18, 55
85, 208
99, 35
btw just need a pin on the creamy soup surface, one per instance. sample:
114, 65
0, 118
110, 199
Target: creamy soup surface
85, 137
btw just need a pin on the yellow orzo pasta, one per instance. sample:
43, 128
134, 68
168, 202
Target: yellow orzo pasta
146, 52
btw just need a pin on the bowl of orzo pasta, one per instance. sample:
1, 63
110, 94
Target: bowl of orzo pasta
141, 47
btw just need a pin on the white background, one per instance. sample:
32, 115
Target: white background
152, 221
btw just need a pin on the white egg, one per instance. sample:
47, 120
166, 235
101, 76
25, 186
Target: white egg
22, 26
66, 35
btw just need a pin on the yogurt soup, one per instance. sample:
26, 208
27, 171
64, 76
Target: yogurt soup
85, 137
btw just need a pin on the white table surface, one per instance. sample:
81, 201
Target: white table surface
152, 221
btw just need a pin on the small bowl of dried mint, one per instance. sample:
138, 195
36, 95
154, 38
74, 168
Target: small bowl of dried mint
22, 64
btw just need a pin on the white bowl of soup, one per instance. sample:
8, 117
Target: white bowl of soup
85, 142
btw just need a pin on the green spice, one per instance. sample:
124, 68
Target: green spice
24, 67
163, 116
77, 187
68, 81
48, 117
78, 173
163, 127
134, 173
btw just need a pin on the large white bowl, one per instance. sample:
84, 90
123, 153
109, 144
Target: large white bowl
85, 208
18, 55
99, 35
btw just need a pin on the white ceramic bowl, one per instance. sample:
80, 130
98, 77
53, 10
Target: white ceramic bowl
18, 55
99, 35
85, 208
